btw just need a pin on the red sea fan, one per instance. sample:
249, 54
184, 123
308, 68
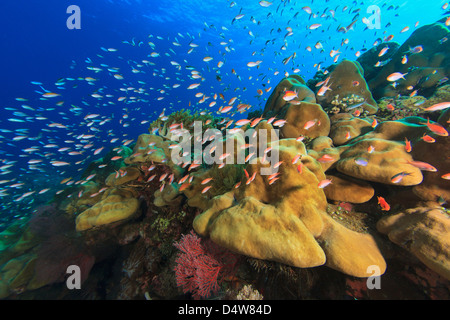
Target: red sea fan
201, 265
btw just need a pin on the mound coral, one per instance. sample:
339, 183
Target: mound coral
88, 195
275, 102
55, 255
345, 127
298, 112
47, 246
426, 65
151, 148
372, 62
348, 189
381, 154
388, 159
286, 221
125, 175
185, 119
347, 90
423, 232
306, 119
434, 186
116, 205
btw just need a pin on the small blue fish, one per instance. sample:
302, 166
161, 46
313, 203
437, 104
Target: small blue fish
361, 162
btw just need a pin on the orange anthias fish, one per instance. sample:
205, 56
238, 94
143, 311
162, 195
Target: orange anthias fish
374, 123
383, 204
408, 146
325, 158
206, 189
205, 181
383, 51
422, 166
437, 129
438, 106
396, 76
279, 123
310, 124
322, 184
390, 107
184, 186
255, 122
323, 90
290, 95
428, 139
399, 177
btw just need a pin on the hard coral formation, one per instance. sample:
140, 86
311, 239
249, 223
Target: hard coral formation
275, 103
184, 119
287, 221
371, 61
423, 232
387, 156
299, 117
151, 148
345, 127
425, 67
434, 187
115, 206
298, 111
388, 159
348, 90
347, 189
47, 246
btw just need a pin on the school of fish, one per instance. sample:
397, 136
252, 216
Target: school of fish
51, 135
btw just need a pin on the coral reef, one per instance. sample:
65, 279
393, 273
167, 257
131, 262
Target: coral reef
287, 221
356, 183
346, 90
184, 119
249, 293
423, 232
115, 206
372, 62
201, 266
434, 186
299, 111
426, 65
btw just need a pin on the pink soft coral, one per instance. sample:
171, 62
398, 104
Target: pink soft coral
202, 265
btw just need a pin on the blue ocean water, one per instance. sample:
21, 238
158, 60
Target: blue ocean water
40, 54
